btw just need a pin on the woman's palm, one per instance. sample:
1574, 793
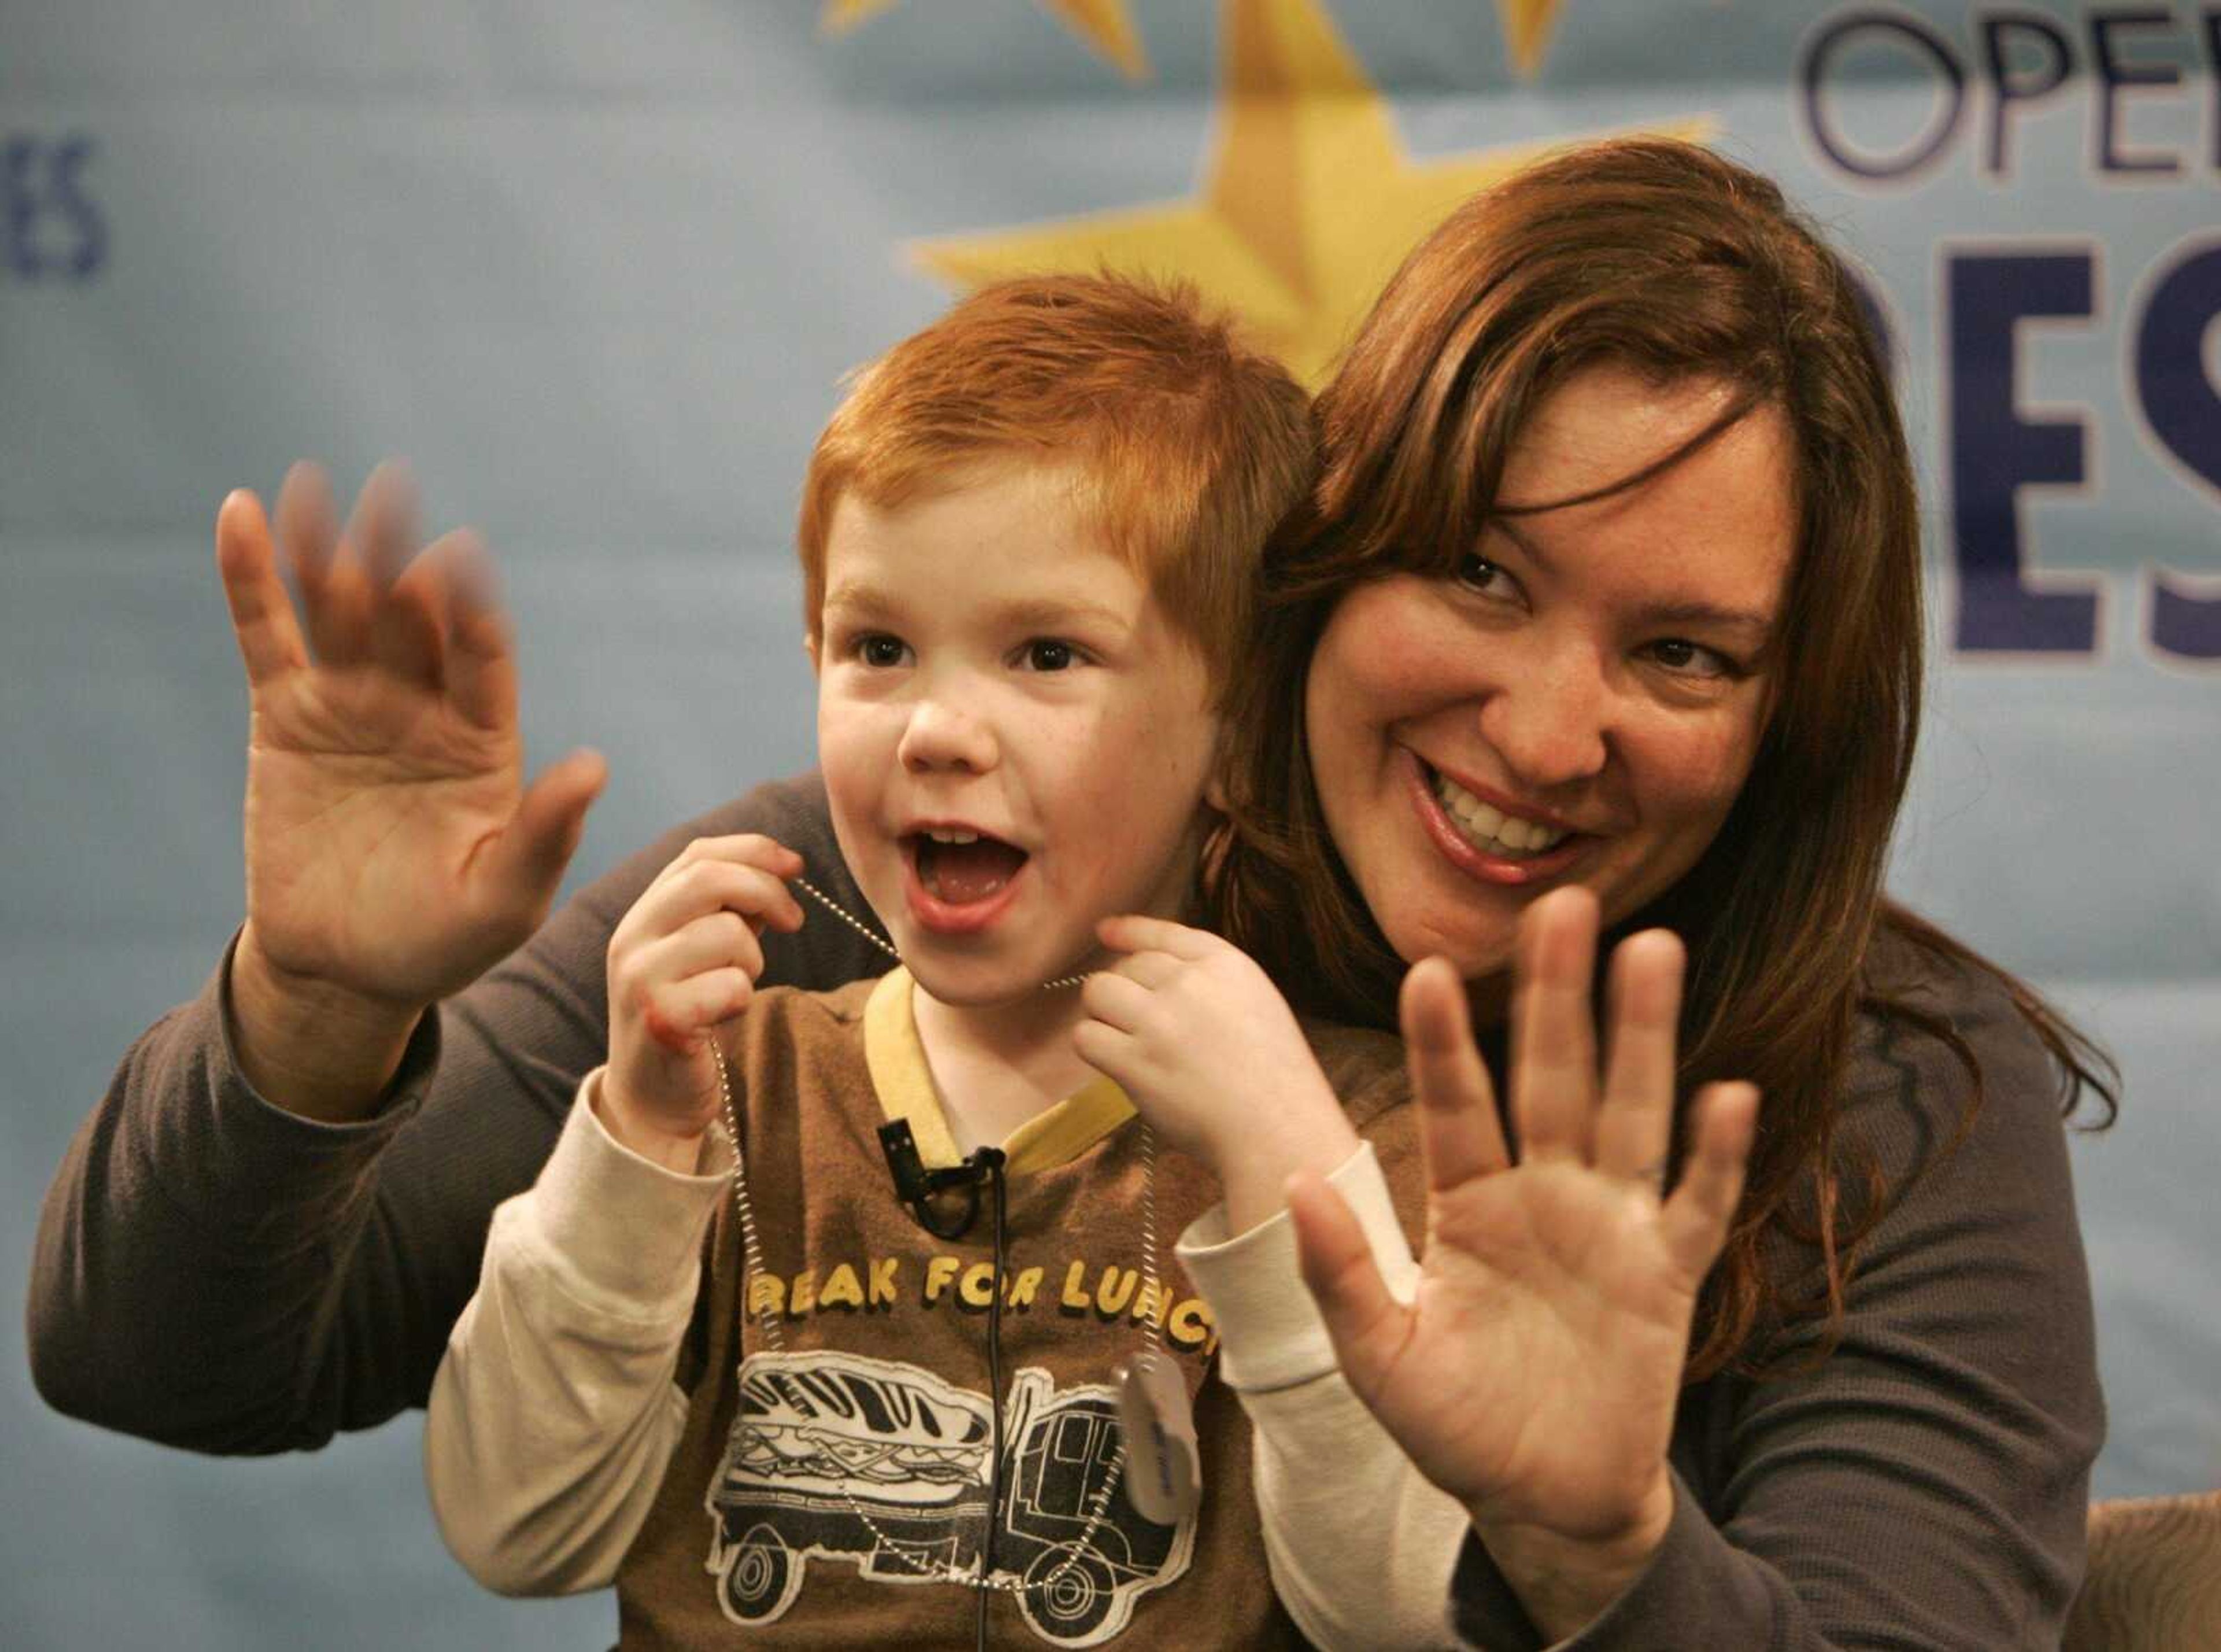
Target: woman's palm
391, 848
1544, 1345
1535, 1373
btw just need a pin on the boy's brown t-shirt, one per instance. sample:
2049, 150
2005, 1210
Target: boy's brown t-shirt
819, 1493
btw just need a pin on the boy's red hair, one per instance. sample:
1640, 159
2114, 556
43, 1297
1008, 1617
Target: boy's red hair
1186, 445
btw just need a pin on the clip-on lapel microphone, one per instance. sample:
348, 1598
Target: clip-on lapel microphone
919, 1187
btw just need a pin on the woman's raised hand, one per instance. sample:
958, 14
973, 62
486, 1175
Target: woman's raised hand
393, 852
1534, 1374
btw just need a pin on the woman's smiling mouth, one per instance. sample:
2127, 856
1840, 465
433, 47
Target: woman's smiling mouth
1484, 841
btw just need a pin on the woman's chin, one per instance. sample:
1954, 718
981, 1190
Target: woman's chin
1477, 949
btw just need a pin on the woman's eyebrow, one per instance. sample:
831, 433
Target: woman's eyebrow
1511, 531
1755, 623
1711, 616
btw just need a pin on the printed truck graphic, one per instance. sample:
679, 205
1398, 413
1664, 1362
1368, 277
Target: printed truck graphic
826, 1447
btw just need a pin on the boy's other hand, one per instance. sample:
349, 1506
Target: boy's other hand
1208, 1050
682, 962
393, 853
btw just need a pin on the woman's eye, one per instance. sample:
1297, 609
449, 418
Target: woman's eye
880, 650
1048, 653
1685, 659
1477, 573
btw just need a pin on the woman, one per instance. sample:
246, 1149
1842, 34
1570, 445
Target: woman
359, 1206
1616, 537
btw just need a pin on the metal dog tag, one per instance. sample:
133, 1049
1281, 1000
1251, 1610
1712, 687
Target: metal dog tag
1163, 1478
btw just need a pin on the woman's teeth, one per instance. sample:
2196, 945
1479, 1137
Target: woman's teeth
953, 837
1491, 829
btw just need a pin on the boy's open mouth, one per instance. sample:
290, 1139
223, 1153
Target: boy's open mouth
961, 869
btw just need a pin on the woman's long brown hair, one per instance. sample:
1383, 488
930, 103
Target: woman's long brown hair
1667, 259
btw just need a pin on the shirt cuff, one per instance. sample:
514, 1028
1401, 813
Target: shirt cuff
1696, 1580
627, 1231
404, 1092
1270, 1332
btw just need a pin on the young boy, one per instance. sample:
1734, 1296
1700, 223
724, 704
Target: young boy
1027, 538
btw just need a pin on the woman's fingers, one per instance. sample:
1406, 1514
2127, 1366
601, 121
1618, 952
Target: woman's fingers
431, 619
1368, 1324
334, 594
1458, 1127
1697, 1218
481, 663
262, 617
523, 866
1635, 1125
409, 620
405, 622
381, 530
1553, 1036
308, 524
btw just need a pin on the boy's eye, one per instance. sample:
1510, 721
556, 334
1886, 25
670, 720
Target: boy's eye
881, 650
1048, 653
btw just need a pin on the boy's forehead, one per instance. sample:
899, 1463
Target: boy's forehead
1025, 526
1039, 487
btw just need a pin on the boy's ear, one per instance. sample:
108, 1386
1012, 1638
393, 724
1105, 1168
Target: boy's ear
810, 647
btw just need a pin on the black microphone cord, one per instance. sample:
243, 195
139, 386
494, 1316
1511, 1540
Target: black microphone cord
992, 1158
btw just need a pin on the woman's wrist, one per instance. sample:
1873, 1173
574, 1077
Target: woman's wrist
1566, 1583
316, 1050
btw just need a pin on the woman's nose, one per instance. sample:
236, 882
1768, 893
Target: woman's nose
1548, 723
940, 735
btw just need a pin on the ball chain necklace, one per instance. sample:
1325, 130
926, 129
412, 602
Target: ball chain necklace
1147, 1387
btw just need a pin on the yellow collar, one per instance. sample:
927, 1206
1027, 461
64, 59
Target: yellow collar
905, 1082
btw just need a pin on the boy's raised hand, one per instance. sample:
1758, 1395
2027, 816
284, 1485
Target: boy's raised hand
682, 962
1209, 1052
393, 854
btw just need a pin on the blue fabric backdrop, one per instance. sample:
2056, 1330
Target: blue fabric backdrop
596, 269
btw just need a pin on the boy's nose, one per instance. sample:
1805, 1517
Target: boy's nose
941, 736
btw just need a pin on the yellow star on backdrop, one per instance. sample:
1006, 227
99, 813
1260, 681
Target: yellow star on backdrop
1105, 25
1308, 202
1527, 25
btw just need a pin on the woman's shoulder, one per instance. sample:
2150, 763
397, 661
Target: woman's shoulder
1951, 1154
1940, 1031
1955, 1100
